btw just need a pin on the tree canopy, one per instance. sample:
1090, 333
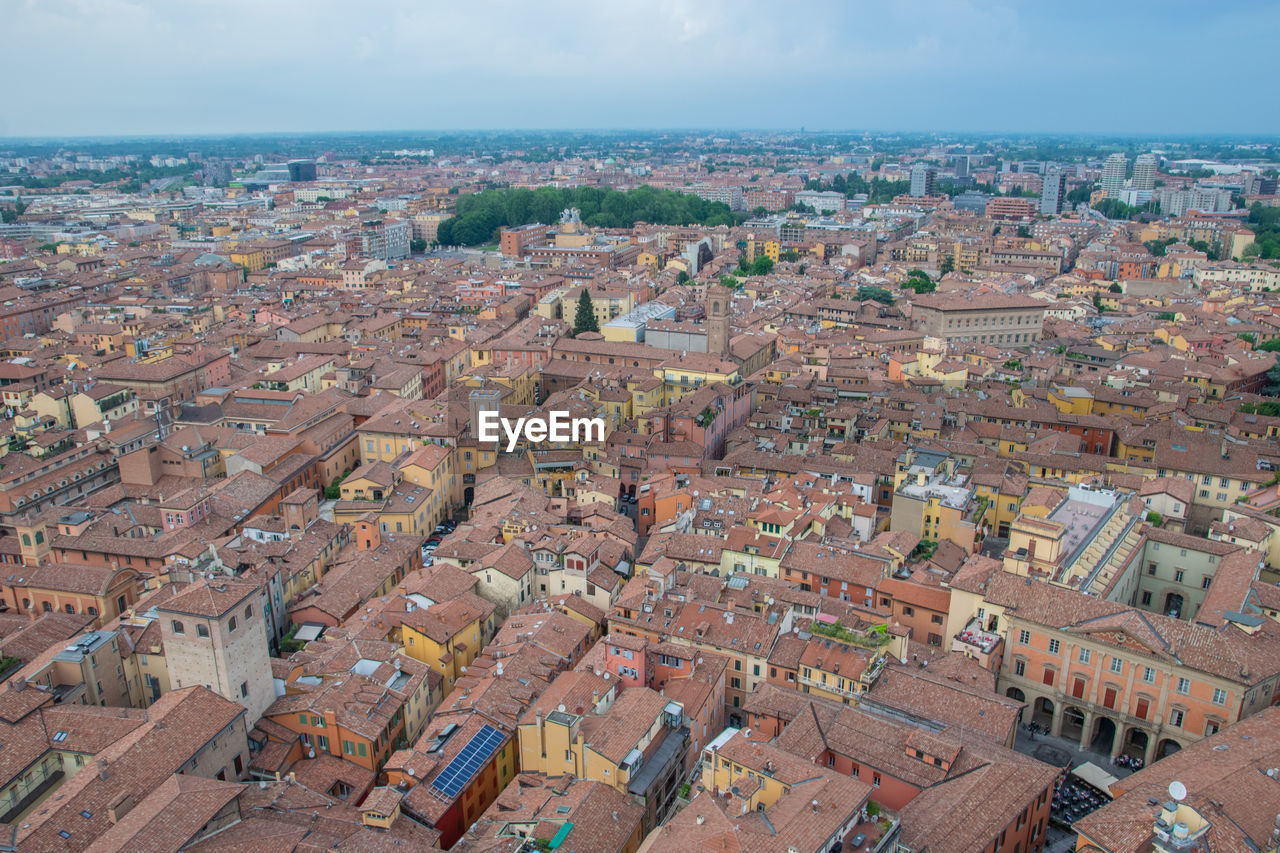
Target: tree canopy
879, 294
762, 265
478, 216
919, 281
1265, 222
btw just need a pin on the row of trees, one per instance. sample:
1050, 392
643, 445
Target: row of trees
878, 190
480, 215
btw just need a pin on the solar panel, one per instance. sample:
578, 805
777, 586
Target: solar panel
468, 761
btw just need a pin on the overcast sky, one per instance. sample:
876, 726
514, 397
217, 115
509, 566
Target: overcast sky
234, 66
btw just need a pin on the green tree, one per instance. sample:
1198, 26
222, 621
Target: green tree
763, 265
1024, 231
1272, 345
790, 256
948, 265
1115, 288
1273, 377
919, 281
417, 246
879, 294
730, 282
682, 277
1249, 337
1081, 194
585, 318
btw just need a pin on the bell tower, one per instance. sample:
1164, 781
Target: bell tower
719, 312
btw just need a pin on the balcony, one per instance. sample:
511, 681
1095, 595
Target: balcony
830, 686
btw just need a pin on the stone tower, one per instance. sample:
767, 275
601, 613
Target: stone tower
719, 312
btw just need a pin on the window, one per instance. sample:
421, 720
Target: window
244, 689
1177, 576
908, 611
1084, 655
202, 631
1204, 584
1117, 665
1054, 646
1019, 667
875, 780
231, 626
248, 612
1024, 637
1175, 718
177, 627
1184, 686
1148, 675
1146, 598
1219, 696
936, 619
323, 743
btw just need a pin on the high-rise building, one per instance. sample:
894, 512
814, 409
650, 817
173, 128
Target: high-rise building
923, 178
1144, 172
1053, 191
302, 170
1113, 174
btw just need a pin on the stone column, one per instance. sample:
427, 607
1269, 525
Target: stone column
1055, 728
1086, 732
1150, 754
1117, 743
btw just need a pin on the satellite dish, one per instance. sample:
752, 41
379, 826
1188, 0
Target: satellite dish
1177, 790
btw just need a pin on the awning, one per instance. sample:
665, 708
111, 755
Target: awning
309, 631
560, 836
1095, 776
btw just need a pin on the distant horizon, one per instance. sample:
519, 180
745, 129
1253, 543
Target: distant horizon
182, 69
1269, 137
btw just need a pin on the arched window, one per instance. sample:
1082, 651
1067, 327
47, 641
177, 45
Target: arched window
39, 537
26, 539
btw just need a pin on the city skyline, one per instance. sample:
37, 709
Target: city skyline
134, 68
